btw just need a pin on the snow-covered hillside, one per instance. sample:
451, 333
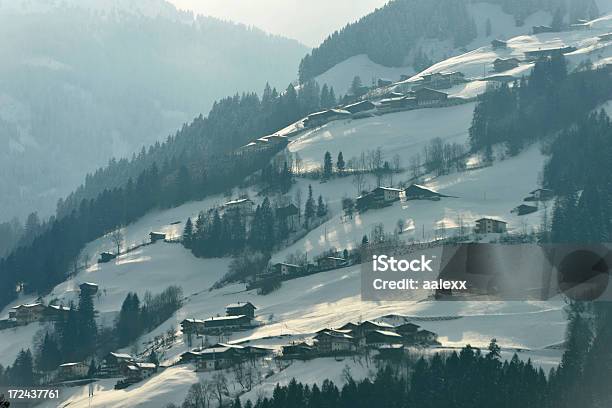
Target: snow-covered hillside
502, 26
329, 299
478, 62
302, 306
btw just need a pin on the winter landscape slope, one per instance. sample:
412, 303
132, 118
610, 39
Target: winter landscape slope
329, 299
303, 306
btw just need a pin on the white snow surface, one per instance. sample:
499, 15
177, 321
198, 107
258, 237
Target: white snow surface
302, 306
341, 75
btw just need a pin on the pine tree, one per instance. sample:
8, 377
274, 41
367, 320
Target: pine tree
22, 371
48, 355
69, 332
340, 163
87, 327
188, 234
321, 207
356, 86
328, 166
488, 28
364, 240
309, 209
128, 325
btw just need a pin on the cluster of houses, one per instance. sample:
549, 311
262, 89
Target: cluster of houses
535, 196
238, 316
284, 270
352, 338
154, 236
348, 339
223, 355
423, 94
507, 64
24, 314
113, 365
264, 144
385, 196
439, 80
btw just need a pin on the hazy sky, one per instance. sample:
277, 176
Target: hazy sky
308, 21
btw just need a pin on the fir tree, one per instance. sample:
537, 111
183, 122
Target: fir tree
188, 233
87, 327
321, 207
340, 163
328, 166
309, 209
49, 357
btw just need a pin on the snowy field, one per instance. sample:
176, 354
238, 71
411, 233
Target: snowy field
303, 306
403, 133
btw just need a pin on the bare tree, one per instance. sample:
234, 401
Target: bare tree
85, 258
298, 164
298, 204
415, 166
401, 224
239, 374
397, 163
219, 386
117, 239
460, 224
359, 182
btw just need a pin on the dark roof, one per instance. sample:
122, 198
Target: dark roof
287, 211
415, 189
240, 305
428, 91
359, 106
490, 219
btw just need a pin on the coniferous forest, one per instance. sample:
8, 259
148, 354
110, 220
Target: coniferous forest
192, 164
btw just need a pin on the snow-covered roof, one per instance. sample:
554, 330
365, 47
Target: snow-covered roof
387, 333
121, 355
145, 365
210, 319
239, 304
27, 305
238, 201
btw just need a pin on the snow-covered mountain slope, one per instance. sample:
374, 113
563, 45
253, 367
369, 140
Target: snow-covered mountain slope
149, 8
503, 26
478, 63
403, 133
302, 306
329, 299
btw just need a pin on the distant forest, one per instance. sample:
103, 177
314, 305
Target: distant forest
194, 163
391, 34
542, 107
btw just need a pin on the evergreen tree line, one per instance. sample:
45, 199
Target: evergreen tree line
232, 122
72, 338
216, 234
546, 102
578, 170
389, 34
136, 318
459, 380
77, 337
46, 261
471, 379
570, 9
